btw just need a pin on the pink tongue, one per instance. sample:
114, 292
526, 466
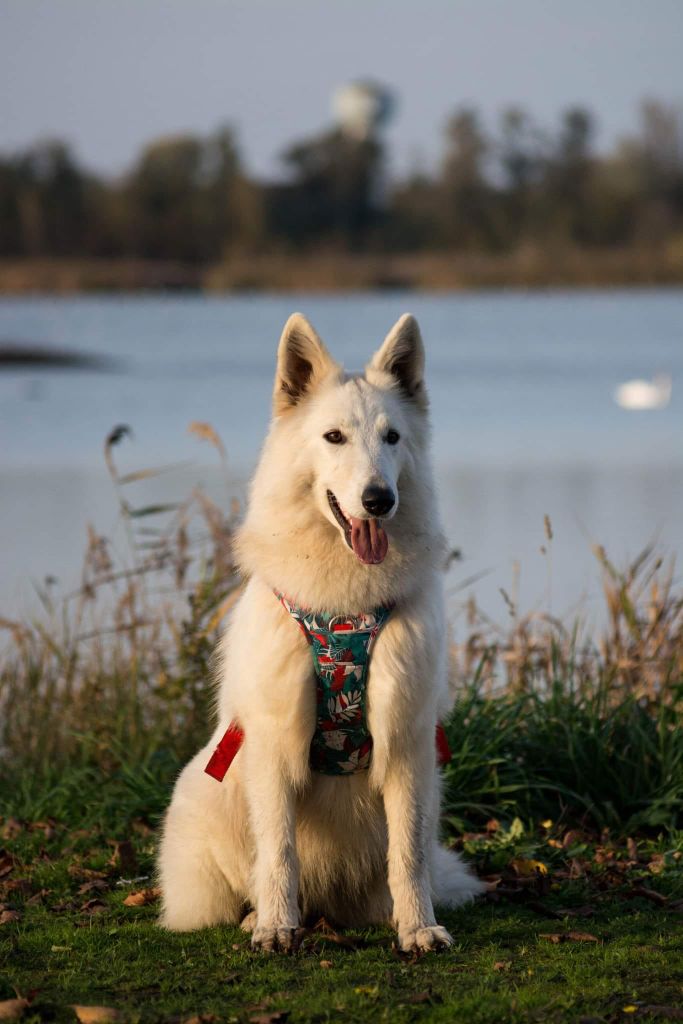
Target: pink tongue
368, 540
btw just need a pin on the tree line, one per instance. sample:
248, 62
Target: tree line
190, 198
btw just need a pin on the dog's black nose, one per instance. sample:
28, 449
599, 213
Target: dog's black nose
377, 500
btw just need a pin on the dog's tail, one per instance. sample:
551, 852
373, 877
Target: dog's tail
452, 881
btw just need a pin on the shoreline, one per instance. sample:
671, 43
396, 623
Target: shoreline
532, 267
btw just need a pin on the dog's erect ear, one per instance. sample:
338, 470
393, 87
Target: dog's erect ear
302, 361
403, 356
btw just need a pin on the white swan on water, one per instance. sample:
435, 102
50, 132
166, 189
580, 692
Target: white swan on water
644, 394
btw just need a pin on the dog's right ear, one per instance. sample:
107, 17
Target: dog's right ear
302, 362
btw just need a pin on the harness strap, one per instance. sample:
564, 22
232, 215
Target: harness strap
340, 647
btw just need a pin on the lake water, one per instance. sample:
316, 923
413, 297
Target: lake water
522, 403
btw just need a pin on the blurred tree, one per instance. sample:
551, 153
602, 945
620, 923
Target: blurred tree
467, 202
162, 194
333, 196
522, 162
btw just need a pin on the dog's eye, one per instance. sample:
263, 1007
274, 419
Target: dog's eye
334, 437
393, 437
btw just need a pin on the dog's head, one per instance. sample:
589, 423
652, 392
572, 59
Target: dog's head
356, 433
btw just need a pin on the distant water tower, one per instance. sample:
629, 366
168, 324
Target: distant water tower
362, 108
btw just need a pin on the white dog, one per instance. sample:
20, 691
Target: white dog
329, 799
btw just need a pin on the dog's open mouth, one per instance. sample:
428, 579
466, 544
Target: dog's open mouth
366, 537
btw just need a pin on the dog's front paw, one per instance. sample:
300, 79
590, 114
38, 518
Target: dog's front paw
276, 940
424, 939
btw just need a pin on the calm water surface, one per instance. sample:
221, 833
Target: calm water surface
524, 422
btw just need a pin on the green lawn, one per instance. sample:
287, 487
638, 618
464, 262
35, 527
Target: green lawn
76, 942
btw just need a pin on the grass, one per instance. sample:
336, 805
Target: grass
565, 791
76, 942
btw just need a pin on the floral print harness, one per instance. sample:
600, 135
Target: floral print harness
341, 646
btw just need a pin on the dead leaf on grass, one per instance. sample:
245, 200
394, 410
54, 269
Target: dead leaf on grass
6, 863
585, 911
648, 894
124, 858
77, 871
8, 916
527, 868
94, 885
96, 1014
502, 965
38, 897
326, 964
557, 937
17, 885
12, 1009
142, 897
48, 828
93, 907
426, 996
406, 956
11, 829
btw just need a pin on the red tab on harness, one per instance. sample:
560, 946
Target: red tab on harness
443, 751
224, 754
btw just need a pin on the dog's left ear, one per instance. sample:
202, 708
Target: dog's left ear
403, 356
302, 362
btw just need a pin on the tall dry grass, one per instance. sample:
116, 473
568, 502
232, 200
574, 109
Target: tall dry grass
109, 690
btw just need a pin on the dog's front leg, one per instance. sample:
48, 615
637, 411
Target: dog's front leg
276, 869
406, 797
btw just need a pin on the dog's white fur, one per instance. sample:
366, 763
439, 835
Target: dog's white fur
273, 836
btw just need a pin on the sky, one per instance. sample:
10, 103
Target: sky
109, 75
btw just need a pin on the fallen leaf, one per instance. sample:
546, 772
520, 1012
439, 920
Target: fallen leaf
201, 1018
46, 827
406, 956
571, 837
6, 863
124, 858
326, 964
557, 937
8, 916
629, 1009
11, 829
17, 885
94, 885
527, 868
39, 896
502, 965
330, 934
632, 848
426, 996
142, 898
12, 1009
77, 871
93, 907
648, 894
585, 911
96, 1014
